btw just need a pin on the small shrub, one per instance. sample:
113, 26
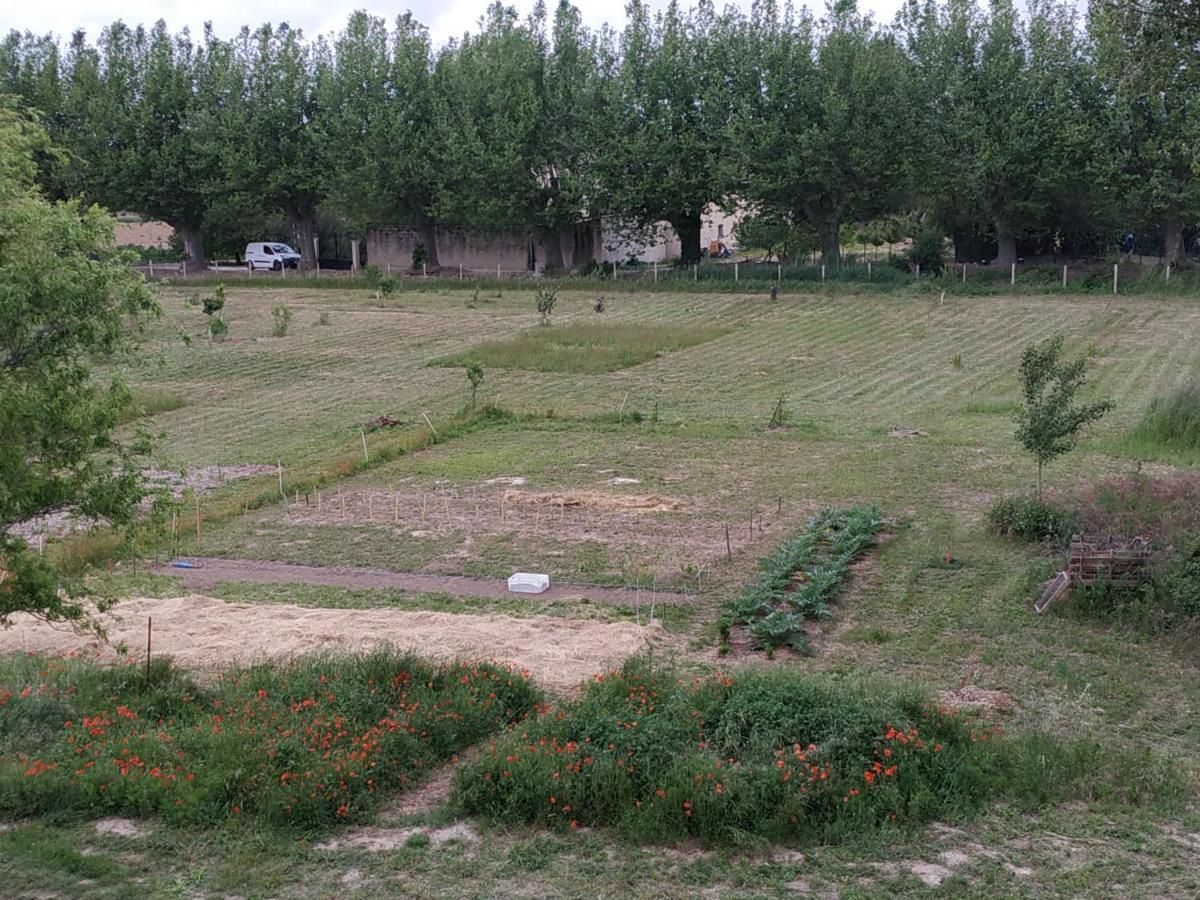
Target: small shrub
957, 361
474, 370
215, 303
928, 251
1031, 520
217, 329
281, 317
420, 256
544, 299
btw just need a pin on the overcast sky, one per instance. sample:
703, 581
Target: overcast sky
445, 18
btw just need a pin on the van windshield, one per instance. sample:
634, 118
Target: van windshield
283, 248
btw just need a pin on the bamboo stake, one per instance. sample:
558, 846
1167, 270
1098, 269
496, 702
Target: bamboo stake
199, 534
149, 625
363, 434
728, 546
430, 424
396, 508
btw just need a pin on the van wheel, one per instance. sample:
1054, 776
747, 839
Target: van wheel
276, 266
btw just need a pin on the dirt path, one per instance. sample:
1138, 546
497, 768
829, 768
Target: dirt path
201, 632
210, 571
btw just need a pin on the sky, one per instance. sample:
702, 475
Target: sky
445, 18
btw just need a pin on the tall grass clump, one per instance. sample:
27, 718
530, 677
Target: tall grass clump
762, 755
803, 576
306, 745
1170, 428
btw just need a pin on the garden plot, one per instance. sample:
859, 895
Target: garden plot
202, 632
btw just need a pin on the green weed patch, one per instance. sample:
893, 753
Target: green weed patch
304, 745
584, 349
801, 579
1170, 428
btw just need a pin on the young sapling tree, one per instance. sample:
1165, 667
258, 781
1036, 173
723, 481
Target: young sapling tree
1049, 419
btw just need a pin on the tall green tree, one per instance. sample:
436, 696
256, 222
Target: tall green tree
67, 301
378, 144
668, 149
827, 140
1006, 130
1147, 54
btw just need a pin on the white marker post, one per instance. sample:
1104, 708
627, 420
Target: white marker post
1115, 267
822, 272
1012, 277
1064, 276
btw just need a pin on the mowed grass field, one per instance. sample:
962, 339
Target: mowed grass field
689, 427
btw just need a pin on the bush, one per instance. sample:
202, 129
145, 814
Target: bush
928, 251
784, 754
307, 744
282, 318
544, 300
1031, 520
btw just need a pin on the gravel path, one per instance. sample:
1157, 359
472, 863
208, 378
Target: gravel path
209, 571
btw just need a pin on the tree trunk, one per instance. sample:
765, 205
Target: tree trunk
552, 251
305, 223
193, 247
831, 243
688, 230
426, 229
1173, 241
1006, 244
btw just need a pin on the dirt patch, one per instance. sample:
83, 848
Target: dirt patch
204, 573
382, 840
118, 827
930, 874
597, 500
972, 697
202, 632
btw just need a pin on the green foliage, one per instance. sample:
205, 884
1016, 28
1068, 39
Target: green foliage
214, 303
420, 256
68, 303
1049, 419
928, 250
803, 576
762, 755
1031, 520
307, 744
281, 318
1170, 428
583, 348
474, 371
218, 329
544, 300
150, 401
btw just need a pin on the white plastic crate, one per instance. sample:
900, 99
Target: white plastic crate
528, 583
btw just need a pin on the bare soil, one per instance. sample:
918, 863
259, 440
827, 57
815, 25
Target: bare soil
209, 572
204, 633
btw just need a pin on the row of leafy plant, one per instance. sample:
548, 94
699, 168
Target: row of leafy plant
303, 745
803, 576
771, 755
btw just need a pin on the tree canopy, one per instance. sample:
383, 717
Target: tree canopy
1016, 129
67, 300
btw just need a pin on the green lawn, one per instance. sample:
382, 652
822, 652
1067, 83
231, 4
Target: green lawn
850, 367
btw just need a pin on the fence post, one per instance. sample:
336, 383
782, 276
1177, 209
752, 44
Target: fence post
317, 252
614, 270
1012, 276
497, 271
1064, 275
1115, 266
656, 271
779, 272
460, 271
735, 271
183, 268
822, 271
151, 268
1168, 281
964, 278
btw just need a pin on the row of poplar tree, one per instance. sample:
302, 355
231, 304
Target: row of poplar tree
1035, 131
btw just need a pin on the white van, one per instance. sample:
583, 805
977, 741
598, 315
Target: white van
268, 255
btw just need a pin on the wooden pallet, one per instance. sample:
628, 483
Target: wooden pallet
1094, 557
1054, 589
